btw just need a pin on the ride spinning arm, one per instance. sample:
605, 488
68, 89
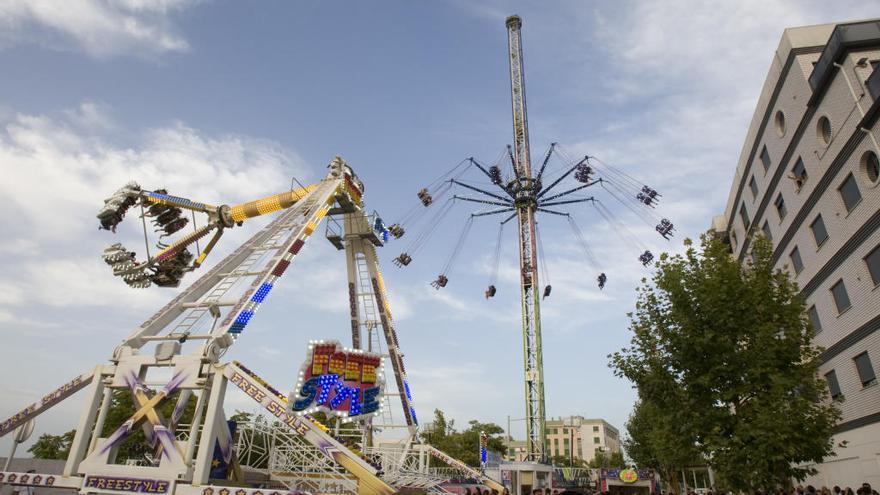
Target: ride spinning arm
173, 261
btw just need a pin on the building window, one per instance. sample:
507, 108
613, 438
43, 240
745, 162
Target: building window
849, 191
833, 386
595, 428
873, 262
754, 187
823, 129
766, 230
780, 206
596, 440
819, 232
866, 371
765, 158
813, 313
841, 298
779, 120
744, 215
798, 174
871, 166
796, 262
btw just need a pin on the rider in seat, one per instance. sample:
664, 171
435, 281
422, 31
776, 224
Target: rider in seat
440, 282
425, 197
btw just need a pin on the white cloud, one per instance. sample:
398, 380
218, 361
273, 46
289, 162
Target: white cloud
58, 170
462, 390
101, 28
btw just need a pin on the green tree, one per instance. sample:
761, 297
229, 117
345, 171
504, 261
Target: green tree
656, 440
722, 354
603, 460
52, 446
241, 416
564, 461
462, 445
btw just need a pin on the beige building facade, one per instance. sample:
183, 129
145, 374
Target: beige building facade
807, 179
581, 438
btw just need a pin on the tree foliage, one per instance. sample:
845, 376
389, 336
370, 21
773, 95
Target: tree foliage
566, 461
723, 362
52, 446
657, 440
606, 460
463, 445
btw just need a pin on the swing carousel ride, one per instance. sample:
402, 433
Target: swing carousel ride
515, 192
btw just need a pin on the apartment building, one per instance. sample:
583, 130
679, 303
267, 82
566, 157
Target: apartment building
581, 438
808, 179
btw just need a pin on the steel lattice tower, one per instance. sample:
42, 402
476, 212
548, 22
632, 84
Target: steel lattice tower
525, 200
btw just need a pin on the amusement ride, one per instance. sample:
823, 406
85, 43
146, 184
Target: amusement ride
329, 434
515, 192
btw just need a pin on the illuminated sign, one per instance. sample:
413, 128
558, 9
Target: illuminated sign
628, 475
340, 381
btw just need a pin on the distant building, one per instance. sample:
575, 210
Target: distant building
585, 436
515, 450
807, 179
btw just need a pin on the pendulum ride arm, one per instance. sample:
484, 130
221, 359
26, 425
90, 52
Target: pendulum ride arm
305, 208
529, 288
223, 216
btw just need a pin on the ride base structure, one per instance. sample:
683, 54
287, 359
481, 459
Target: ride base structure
175, 356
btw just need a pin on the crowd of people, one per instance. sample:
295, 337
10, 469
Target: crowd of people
865, 489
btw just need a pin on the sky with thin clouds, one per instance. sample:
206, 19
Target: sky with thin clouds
225, 101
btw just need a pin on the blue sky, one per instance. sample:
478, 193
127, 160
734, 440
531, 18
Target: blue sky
223, 101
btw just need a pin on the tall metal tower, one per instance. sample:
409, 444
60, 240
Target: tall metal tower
525, 190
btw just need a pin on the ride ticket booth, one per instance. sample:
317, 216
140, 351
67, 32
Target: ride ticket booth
523, 477
627, 481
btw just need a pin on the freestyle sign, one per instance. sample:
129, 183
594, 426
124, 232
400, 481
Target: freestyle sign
134, 485
337, 380
47, 401
277, 408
